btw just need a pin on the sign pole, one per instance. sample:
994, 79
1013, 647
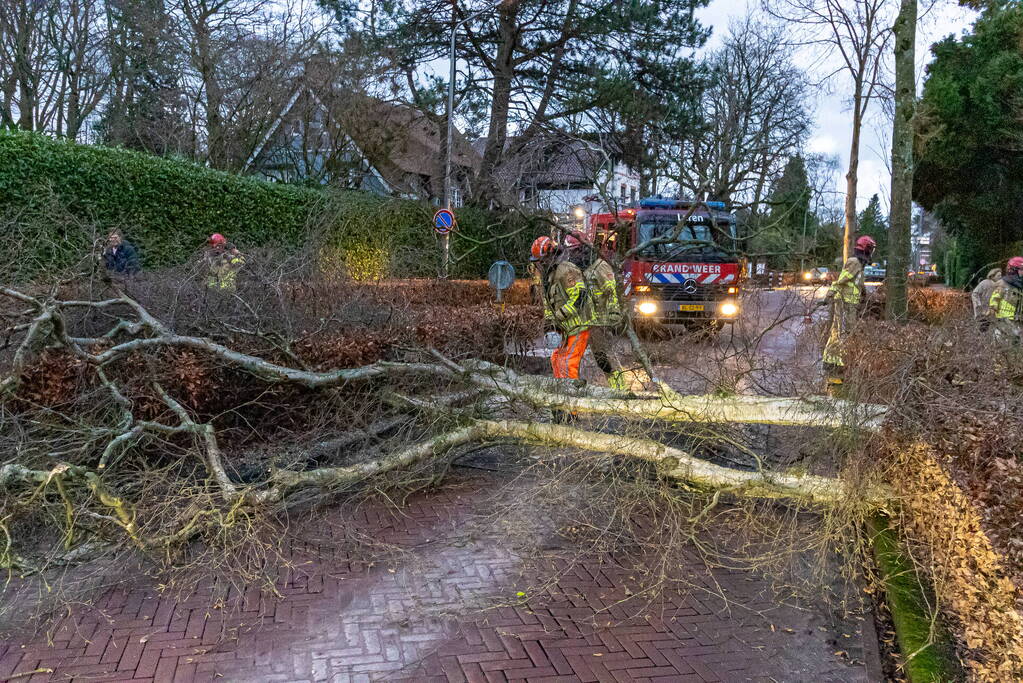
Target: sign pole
446, 238
443, 224
446, 245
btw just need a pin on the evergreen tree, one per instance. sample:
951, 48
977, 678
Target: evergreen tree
968, 137
872, 222
534, 65
145, 107
785, 235
790, 200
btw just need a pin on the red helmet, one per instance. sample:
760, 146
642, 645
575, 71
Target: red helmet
572, 242
542, 247
866, 243
1016, 262
216, 240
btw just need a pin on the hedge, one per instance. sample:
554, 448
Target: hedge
50, 188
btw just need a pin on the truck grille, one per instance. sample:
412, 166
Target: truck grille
678, 293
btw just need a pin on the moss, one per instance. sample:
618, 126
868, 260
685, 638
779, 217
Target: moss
924, 642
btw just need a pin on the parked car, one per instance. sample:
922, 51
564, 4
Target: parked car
873, 273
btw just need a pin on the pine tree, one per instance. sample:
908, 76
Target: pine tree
787, 232
872, 222
629, 60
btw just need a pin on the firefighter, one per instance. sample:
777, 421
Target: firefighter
223, 262
981, 297
1007, 302
844, 297
603, 312
535, 283
564, 299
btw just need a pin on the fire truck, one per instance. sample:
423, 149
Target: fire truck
681, 264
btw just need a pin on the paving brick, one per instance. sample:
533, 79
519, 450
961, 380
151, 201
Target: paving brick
344, 618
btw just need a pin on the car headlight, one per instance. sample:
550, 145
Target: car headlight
647, 307
728, 309
807, 275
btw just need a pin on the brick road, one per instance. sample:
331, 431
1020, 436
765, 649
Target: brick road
450, 610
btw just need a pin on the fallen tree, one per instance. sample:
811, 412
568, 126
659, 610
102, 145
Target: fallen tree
487, 406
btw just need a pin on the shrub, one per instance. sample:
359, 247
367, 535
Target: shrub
58, 196
928, 305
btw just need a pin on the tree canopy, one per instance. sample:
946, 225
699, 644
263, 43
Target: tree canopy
533, 64
968, 136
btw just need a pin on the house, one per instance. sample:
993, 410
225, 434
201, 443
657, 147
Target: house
361, 142
328, 135
559, 173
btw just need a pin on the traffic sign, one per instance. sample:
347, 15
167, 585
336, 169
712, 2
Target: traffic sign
443, 221
501, 276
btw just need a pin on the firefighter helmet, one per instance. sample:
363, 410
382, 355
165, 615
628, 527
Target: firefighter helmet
572, 242
866, 244
1015, 263
542, 248
216, 240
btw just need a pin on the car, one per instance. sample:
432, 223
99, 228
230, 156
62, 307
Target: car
873, 273
817, 275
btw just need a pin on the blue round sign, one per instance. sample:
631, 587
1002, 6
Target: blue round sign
501, 275
443, 221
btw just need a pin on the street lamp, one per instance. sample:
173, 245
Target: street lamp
455, 23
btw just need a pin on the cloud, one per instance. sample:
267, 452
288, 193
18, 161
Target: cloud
822, 144
832, 118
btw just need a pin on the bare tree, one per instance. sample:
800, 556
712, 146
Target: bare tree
243, 62
856, 35
53, 63
756, 118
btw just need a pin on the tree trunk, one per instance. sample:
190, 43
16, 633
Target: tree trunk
497, 135
902, 162
852, 177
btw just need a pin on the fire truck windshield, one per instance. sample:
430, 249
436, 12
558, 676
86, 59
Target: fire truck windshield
696, 237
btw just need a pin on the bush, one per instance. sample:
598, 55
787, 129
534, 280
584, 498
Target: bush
58, 197
932, 306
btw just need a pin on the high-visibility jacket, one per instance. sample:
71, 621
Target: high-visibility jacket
224, 267
566, 298
848, 287
1007, 302
603, 308
533, 272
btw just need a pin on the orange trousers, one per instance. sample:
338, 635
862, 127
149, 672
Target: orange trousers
566, 358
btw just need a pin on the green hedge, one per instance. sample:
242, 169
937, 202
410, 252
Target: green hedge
58, 196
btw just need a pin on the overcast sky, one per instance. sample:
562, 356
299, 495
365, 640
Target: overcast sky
833, 118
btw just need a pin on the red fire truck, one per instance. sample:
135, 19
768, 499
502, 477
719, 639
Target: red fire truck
675, 273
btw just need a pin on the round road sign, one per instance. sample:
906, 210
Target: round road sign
501, 275
443, 221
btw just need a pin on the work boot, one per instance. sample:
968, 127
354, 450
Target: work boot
834, 379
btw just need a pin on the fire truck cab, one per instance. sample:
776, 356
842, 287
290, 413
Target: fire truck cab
680, 260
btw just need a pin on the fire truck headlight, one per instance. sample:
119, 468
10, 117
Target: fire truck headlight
807, 275
647, 307
728, 309
733, 290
